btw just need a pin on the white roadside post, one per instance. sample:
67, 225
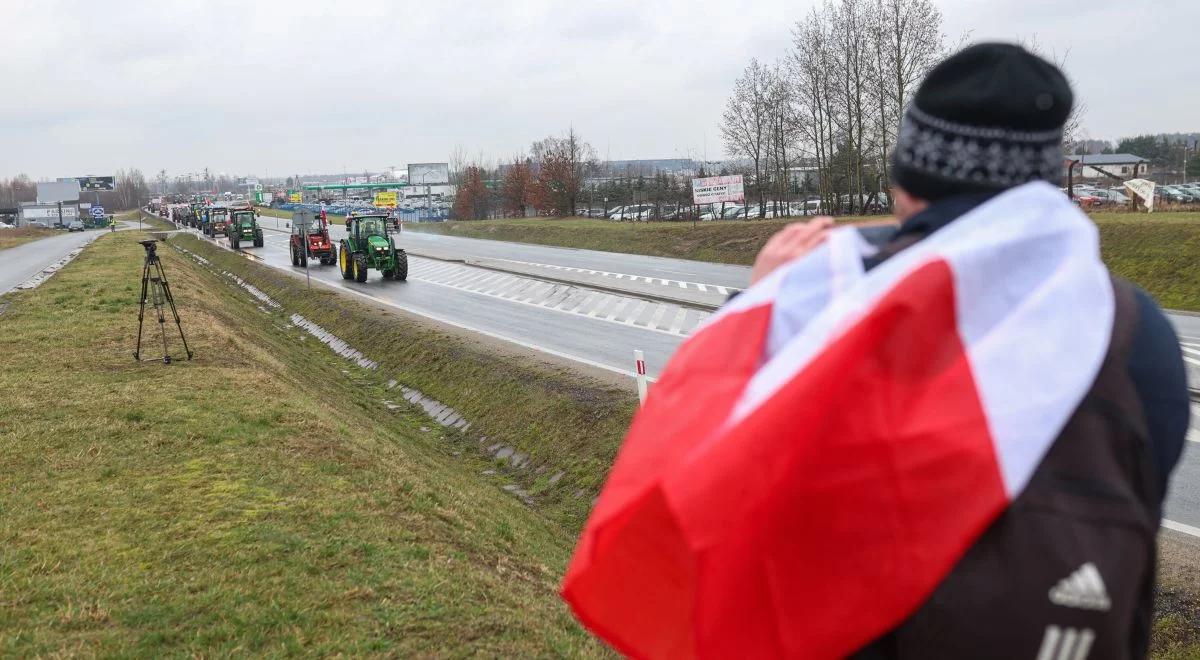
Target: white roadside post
640, 359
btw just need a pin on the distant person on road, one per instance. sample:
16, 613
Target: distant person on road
953, 445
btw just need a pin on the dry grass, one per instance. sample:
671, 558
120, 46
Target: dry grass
21, 235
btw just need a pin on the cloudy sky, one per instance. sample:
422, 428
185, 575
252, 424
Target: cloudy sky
273, 87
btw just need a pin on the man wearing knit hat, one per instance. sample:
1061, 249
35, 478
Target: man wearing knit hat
1068, 570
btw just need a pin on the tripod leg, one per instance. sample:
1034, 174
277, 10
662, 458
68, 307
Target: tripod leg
166, 287
162, 327
137, 353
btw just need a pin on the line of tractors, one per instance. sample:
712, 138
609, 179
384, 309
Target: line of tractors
367, 245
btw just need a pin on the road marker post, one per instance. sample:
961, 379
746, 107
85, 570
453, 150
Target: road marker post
640, 359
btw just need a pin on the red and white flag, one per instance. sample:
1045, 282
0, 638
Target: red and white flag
815, 459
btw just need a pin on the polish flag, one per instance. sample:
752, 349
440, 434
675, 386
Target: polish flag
816, 458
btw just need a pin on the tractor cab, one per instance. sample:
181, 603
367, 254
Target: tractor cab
216, 218
310, 238
368, 224
243, 226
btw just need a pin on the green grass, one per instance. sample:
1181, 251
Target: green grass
1158, 252
256, 500
10, 238
1161, 253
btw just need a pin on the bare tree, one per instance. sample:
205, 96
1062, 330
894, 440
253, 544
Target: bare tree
746, 124
907, 39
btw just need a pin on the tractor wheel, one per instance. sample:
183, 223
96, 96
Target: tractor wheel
333, 254
360, 268
258, 239
344, 264
401, 266
302, 257
234, 242
292, 250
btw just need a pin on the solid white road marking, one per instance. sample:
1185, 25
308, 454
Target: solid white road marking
1182, 528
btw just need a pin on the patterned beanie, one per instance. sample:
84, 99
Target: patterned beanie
989, 117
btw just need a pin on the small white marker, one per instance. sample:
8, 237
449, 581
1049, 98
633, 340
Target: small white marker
640, 360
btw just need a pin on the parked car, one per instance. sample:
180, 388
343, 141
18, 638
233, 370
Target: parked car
732, 212
75, 225
5, 225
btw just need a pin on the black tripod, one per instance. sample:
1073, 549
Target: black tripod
158, 291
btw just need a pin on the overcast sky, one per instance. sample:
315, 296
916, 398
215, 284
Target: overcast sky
273, 87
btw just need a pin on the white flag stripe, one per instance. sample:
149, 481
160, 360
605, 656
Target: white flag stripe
1025, 263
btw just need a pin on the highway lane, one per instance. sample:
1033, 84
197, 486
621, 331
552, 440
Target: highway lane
20, 263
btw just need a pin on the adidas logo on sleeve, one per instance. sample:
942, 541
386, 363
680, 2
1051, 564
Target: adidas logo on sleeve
1083, 589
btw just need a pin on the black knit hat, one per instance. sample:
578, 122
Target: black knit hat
989, 117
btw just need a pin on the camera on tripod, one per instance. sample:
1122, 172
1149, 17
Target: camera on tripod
157, 291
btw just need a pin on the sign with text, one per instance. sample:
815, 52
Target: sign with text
295, 197
386, 200
1144, 189
717, 189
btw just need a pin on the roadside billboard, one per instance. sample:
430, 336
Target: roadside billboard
52, 193
295, 197
717, 189
386, 200
428, 174
96, 183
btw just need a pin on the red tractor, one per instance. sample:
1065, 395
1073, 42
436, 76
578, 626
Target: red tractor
313, 231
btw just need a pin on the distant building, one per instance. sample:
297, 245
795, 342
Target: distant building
1106, 166
50, 215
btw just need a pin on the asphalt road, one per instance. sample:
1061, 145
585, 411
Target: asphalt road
20, 263
602, 329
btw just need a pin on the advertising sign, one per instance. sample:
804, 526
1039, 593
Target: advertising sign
69, 212
428, 174
295, 197
386, 200
1144, 189
717, 189
96, 183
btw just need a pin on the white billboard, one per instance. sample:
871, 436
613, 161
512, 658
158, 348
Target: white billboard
428, 174
717, 189
43, 212
1144, 189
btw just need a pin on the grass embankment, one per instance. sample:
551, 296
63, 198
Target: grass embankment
1158, 252
259, 499
20, 235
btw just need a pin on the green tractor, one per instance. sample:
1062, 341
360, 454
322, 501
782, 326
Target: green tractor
367, 245
243, 226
